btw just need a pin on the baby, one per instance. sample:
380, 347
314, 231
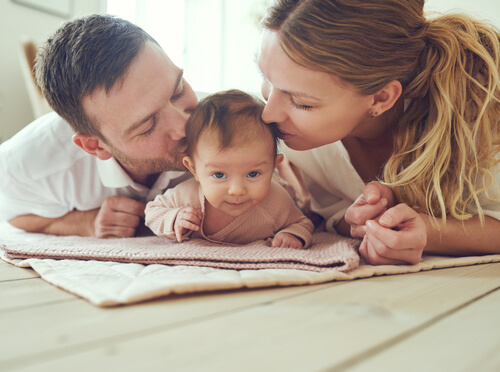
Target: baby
232, 198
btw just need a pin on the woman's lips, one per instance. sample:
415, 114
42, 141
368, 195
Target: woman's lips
284, 136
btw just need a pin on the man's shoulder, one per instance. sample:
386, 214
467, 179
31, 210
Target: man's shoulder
41, 148
44, 126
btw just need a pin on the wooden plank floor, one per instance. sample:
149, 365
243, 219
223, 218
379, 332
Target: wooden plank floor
439, 320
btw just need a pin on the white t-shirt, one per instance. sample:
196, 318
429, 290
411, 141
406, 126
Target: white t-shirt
43, 172
334, 183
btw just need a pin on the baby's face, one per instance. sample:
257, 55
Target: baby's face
236, 179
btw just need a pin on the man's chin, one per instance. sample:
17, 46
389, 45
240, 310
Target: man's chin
149, 168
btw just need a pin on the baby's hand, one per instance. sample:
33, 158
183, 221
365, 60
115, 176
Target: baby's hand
188, 218
285, 240
370, 205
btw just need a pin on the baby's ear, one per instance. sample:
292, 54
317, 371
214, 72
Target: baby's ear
189, 164
279, 159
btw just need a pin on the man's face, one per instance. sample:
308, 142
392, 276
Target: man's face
143, 117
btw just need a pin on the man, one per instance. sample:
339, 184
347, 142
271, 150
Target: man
127, 105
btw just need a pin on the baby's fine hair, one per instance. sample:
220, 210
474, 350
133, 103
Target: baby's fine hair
234, 116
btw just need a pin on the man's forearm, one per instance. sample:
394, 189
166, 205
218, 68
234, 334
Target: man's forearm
73, 223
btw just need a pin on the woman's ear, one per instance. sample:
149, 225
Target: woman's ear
92, 145
189, 164
386, 98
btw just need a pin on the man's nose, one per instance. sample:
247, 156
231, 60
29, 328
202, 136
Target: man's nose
178, 125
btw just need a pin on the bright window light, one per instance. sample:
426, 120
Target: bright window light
214, 41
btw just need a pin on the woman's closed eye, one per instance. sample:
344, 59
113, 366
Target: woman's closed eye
300, 107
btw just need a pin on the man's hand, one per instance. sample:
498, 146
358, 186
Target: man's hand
118, 217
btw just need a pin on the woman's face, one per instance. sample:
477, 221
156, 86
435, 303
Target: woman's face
311, 108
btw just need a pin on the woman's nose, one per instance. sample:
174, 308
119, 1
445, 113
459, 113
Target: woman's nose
274, 111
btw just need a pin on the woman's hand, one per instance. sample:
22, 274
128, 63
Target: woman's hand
398, 237
370, 205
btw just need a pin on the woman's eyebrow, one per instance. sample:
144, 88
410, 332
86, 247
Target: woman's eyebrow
293, 93
296, 93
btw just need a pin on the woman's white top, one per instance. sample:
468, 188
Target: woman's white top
334, 184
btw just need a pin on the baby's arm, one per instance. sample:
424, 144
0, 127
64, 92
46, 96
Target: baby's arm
294, 229
285, 240
162, 216
188, 219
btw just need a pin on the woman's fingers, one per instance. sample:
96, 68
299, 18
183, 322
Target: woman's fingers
399, 237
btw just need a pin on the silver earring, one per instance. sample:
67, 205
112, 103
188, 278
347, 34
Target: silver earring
373, 114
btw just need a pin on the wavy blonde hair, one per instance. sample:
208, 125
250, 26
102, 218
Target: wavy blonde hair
447, 141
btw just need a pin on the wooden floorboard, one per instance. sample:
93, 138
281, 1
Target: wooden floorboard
16, 295
11, 272
334, 326
71, 327
465, 340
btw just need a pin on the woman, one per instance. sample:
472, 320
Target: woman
393, 120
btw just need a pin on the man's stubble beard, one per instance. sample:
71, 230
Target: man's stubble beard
151, 166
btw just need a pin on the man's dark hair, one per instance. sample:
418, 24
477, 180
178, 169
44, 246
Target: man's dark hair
83, 55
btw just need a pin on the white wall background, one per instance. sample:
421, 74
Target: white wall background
219, 42
16, 22
214, 41
488, 10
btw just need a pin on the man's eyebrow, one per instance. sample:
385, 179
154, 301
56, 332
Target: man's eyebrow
140, 122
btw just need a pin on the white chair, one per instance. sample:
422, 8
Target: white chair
27, 56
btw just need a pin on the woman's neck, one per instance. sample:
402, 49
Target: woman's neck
378, 131
372, 145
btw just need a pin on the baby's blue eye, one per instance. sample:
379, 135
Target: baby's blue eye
219, 175
253, 174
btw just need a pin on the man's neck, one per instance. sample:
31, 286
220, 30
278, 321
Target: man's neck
147, 180
151, 179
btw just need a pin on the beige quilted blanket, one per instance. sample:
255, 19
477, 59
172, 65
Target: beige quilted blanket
124, 271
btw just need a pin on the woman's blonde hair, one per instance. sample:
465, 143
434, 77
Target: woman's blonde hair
447, 141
